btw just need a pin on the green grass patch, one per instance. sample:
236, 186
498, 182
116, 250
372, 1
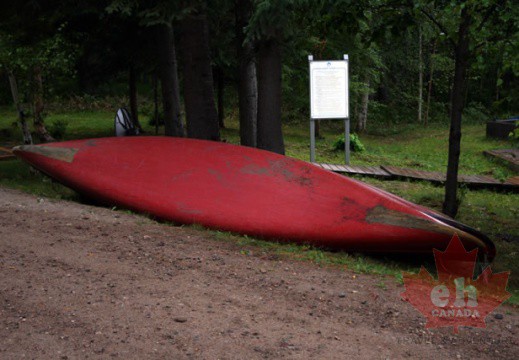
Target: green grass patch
359, 263
17, 175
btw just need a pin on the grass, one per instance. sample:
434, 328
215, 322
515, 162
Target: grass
361, 264
407, 145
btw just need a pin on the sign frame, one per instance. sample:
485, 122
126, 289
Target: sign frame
329, 97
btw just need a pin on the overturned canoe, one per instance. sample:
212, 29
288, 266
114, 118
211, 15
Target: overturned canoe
247, 191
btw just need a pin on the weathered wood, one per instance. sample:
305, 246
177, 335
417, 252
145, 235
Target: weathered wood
437, 177
6, 154
358, 170
393, 172
509, 156
500, 129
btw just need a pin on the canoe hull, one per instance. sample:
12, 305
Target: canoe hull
243, 190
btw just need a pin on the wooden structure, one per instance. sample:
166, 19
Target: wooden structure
6, 153
357, 170
500, 129
509, 156
393, 172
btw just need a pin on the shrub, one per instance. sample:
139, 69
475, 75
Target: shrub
355, 143
58, 129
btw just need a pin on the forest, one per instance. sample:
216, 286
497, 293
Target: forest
184, 65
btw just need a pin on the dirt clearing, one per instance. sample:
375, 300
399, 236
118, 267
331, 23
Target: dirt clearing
78, 281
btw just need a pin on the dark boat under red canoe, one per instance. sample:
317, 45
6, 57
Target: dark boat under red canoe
247, 191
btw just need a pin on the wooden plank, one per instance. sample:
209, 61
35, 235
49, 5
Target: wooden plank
381, 172
7, 157
6, 153
364, 171
432, 176
414, 174
509, 156
322, 166
478, 180
360, 170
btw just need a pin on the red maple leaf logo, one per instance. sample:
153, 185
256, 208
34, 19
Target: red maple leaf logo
455, 299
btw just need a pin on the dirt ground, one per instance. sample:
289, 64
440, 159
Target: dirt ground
78, 281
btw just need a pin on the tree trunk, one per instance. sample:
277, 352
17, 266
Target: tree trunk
27, 137
220, 87
496, 83
429, 85
169, 82
132, 85
39, 106
420, 75
362, 118
247, 81
156, 101
201, 116
270, 135
462, 55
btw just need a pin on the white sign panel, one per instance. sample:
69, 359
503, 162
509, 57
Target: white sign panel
329, 89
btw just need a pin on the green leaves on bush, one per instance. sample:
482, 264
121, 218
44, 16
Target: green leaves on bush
355, 143
58, 128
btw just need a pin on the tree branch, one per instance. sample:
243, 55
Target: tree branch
486, 17
439, 25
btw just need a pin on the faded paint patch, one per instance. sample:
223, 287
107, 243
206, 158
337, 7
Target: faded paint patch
254, 169
184, 176
218, 175
382, 215
351, 210
187, 210
280, 168
62, 154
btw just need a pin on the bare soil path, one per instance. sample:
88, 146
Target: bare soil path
78, 281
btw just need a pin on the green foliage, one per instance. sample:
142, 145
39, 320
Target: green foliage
18, 175
268, 20
54, 57
154, 12
58, 128
514, 135
356, 262
355, 143
55, 54
475, 113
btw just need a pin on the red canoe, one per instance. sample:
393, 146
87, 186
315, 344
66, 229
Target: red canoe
247, 191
